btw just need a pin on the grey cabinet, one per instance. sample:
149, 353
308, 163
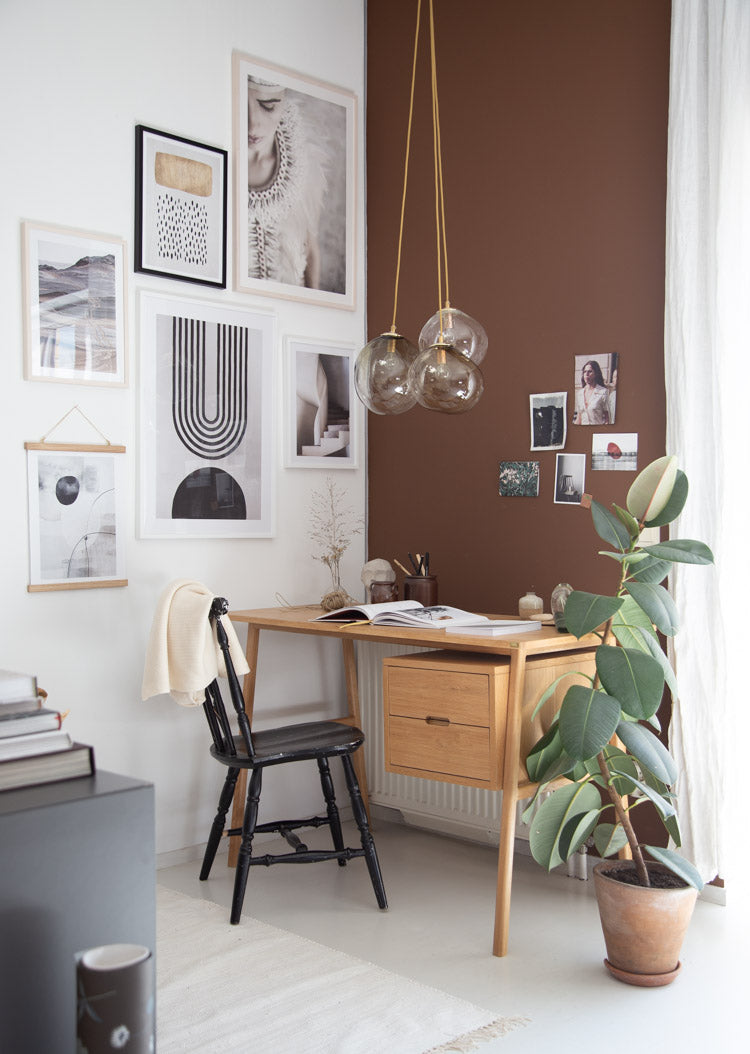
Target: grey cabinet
77, 869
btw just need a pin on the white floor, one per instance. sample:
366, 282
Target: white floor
438, 931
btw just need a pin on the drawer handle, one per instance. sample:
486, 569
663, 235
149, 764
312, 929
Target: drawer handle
437, 720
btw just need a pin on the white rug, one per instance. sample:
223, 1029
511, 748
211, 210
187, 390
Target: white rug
257, 988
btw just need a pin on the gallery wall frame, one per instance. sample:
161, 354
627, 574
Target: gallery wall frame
77, 496
207, 419
295, 179
74, 305
180, 208
321, 412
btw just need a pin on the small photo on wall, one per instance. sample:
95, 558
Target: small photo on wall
570, 478
614, 452
321, 407
548, 414
596, 389
519, 479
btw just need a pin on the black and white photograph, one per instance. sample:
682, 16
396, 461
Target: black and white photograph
180, 208
295, 167
595, 389
207, 420
548, 417
570, 478
519, 479
74, 306
320, 430
614, 452
76, 517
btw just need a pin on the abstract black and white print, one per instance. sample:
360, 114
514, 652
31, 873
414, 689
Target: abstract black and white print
208, 416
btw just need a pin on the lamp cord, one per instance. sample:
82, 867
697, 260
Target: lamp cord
439, 193
406, 163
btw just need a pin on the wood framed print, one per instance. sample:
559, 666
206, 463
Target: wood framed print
76, 516
74, 305
320, 404
295, 144
180, 208
207, 420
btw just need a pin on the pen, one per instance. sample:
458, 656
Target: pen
401, 567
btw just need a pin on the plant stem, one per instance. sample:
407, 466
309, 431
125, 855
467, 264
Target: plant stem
624, 819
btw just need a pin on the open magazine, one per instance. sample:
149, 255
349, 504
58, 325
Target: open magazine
403, 613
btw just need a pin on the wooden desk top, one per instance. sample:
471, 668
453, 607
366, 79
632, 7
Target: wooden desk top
299, 620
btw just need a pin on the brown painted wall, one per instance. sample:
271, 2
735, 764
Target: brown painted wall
554, 129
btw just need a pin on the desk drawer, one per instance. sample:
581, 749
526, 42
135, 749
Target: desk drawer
440, 693
448, 750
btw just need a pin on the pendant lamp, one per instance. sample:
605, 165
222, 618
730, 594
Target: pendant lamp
390, 373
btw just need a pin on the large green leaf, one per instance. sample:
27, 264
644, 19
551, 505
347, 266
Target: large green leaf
609, 838
655, 649
658, 605
651, 489
681, 551
628, 521
609, 528
677, 864
676, 502
631, 625
587, 721
635, 679
552, 816
646, 748
585, 612
550, 689
670, 822
576, 831
627, 770
665, 807
650, 569
545, 751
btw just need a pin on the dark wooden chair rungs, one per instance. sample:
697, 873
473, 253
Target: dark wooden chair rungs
256, 751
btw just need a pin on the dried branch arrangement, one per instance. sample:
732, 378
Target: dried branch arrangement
333, 524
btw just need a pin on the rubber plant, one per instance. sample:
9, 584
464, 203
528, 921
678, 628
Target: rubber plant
603, 737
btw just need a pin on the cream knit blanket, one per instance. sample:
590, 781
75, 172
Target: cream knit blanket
183, 655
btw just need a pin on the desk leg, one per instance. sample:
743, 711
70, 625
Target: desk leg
353, 718
248, 692
510, 799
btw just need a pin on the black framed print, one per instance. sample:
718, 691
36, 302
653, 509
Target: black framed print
295, 171
180, 208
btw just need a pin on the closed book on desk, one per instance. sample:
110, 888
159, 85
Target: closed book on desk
15, 687
496, 628
34, 743
21, 723
73, 761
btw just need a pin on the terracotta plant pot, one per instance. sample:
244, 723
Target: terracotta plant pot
644, 927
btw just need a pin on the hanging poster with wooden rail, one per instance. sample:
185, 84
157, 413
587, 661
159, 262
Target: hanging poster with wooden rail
76, 516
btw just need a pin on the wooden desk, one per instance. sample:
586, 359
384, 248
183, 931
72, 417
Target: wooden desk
518, 649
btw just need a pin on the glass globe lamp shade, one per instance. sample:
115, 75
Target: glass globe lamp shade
446, 381
381, 374
459, 329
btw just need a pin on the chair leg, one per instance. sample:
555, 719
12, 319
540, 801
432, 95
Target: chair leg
246, 846
334, 820
217, 827
360, 815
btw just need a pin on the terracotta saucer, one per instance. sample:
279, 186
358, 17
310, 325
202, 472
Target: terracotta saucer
643, 980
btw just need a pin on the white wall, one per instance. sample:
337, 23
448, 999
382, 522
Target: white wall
75, 78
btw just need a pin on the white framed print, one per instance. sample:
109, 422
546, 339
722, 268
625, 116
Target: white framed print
208, 423
320, 425
295, 171
74, 305
77, 497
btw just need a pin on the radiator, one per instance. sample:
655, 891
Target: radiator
465, 812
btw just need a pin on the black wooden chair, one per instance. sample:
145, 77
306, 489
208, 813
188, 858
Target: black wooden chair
256, 751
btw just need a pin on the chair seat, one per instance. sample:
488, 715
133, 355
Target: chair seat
273, 746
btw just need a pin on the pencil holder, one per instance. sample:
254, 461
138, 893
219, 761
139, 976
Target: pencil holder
422, 588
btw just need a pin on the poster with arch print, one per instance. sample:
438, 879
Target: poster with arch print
208, 432
76, 516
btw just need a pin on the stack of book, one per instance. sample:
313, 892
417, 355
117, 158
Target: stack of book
34, 748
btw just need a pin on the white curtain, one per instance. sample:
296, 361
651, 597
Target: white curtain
707, 338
